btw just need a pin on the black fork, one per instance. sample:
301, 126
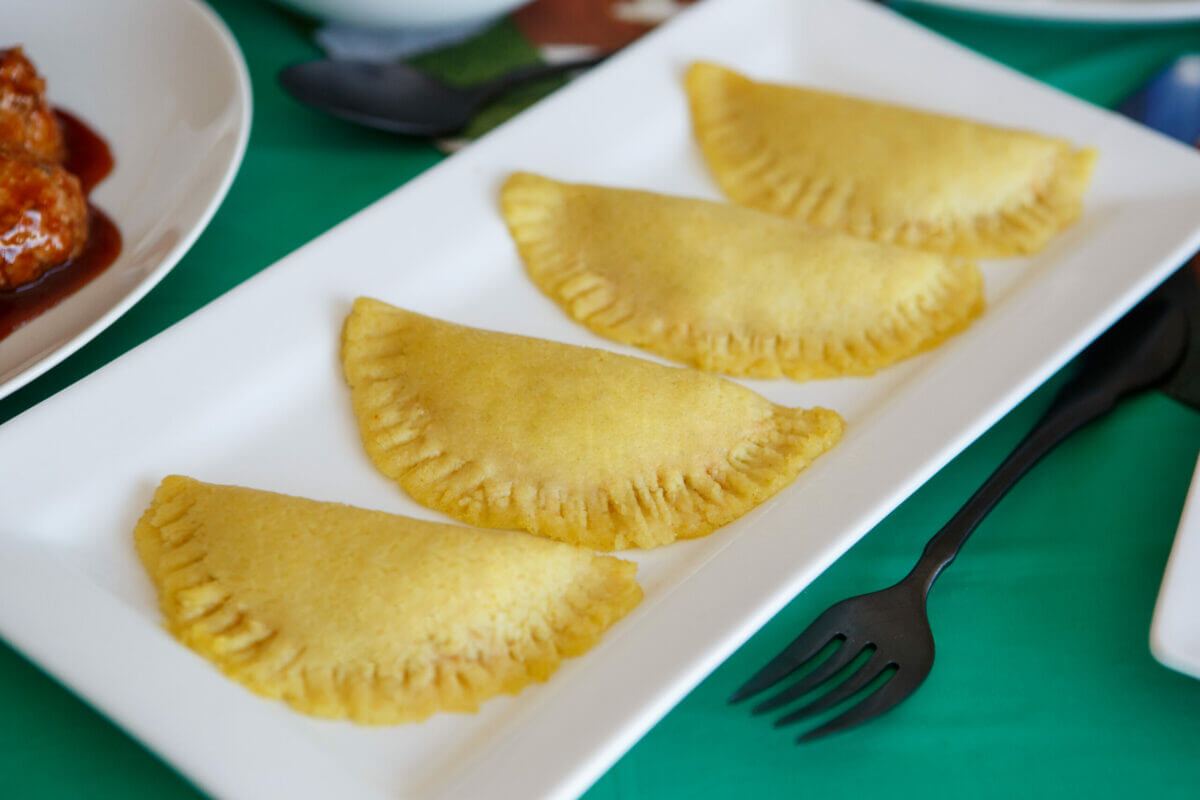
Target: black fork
892, 625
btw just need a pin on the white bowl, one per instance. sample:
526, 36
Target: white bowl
165, 84
404, 13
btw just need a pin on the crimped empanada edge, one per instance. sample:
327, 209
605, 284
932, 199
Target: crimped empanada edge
592, 299
750, 174
642, 511
201, 613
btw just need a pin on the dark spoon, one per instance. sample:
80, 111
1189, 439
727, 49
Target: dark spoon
399, 98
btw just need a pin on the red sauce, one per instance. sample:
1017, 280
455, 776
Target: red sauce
103, 245
87, 154
89, 158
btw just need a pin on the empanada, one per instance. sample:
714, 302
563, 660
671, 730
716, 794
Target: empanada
885, 172
577, 444
732, 289
348, 613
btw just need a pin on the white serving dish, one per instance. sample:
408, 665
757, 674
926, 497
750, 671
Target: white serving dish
1175, 631
164, 83
249, 391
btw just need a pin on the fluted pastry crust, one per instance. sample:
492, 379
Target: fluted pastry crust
731, 289
885, 172
347, 613
572, 443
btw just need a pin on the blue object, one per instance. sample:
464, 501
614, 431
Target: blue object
1170, 102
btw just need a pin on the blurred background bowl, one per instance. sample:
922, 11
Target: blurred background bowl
404, 13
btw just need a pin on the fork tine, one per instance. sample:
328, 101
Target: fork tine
861, 677
823, 672
802, 648
886, 697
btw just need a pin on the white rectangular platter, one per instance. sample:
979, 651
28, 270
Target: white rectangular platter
249, 391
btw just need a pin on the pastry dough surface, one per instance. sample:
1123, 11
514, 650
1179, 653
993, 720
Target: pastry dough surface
573, 443
731, 289
885, 172
348, 613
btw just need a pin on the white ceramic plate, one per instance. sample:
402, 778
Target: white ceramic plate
1113, 11
249, 391
1175, 632
164, 83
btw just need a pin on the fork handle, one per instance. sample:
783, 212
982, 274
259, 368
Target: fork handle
1138, 352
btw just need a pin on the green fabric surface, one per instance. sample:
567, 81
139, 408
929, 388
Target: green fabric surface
1044, 685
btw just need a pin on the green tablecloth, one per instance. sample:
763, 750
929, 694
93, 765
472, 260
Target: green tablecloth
1043, 686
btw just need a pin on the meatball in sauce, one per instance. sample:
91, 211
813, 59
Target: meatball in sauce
43, 218
27, 121
52, 241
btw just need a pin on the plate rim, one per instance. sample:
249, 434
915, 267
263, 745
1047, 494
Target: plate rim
245, 109
1100, 12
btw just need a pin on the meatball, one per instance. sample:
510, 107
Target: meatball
43, 218
26, 120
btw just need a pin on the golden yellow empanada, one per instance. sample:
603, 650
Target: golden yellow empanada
568, 442
884, 172
343, 612
732, 289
